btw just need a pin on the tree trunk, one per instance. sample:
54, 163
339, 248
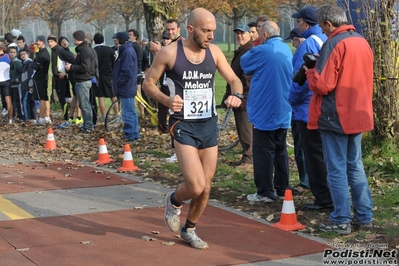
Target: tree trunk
377, 30
156, 12
59, 29
154, 22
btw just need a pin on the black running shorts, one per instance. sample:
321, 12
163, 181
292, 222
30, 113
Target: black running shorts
203, 134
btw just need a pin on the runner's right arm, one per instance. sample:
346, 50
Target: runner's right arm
164, 60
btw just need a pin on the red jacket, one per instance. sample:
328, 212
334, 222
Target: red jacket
342, 82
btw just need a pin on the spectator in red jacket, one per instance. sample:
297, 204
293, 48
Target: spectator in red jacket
341, 109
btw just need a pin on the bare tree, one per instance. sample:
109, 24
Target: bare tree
53, 12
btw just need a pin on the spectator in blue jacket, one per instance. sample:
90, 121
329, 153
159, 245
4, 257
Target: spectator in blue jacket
299, 98
296, 40
125, 84
270, 65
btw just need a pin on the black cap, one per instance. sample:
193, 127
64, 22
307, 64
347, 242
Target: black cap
165, 35
41, 38
294, 33
122, 36
308, 14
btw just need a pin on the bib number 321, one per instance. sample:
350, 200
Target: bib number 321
197, 103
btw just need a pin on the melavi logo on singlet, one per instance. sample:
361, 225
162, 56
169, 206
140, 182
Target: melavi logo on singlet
194, 75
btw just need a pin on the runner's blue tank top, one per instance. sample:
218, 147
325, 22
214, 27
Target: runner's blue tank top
194, 83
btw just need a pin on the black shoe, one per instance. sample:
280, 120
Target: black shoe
133, 141
282, 193
85, 130
301, 187
363, 226
315, 207
237, 163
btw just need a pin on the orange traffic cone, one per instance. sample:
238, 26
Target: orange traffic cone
288, 221
103, 156
50, 142
128, 163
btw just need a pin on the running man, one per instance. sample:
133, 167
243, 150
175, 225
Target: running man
190, 67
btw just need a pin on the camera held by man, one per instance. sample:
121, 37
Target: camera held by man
309, 60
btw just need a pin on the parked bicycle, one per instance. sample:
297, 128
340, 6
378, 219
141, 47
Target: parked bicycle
228, 136
113, 121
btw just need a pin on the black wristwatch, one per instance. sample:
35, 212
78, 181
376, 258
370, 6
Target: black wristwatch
239, 95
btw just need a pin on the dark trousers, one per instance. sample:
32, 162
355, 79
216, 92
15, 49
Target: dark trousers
298, 152
93, 102
270, 153
313, 151
32, 107
163, 112
63, 91
16, 102
3, 102
244, 130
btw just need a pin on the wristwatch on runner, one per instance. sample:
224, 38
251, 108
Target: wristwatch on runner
239, 95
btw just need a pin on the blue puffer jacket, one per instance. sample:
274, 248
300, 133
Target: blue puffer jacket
125, 72
299, 96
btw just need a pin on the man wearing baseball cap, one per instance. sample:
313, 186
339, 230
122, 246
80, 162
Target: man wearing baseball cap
296, 40
295, 37
299, 98
125, 81
244, 128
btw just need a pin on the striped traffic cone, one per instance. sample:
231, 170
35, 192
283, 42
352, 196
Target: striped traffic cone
50, 142
288, 220
103, 156
128, 163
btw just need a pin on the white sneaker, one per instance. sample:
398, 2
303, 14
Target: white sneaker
172, 159
256, 197
41, 121
191, 237
33, 121
172, 214
4, 111
47, 120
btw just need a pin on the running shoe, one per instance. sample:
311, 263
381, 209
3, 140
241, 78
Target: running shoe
172, 159
257, 197
342, 229
364, 226
41, 121
64, 125
79, 121
172, 214
191, 237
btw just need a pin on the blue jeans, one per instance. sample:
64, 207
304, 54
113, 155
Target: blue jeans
343, 159
130, 120
83, 93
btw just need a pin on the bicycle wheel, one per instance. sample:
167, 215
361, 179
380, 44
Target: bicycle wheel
114, 122
228, 136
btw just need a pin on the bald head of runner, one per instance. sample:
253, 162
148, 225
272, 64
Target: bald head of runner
201, 25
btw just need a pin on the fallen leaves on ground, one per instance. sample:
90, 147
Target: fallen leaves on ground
21, 142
